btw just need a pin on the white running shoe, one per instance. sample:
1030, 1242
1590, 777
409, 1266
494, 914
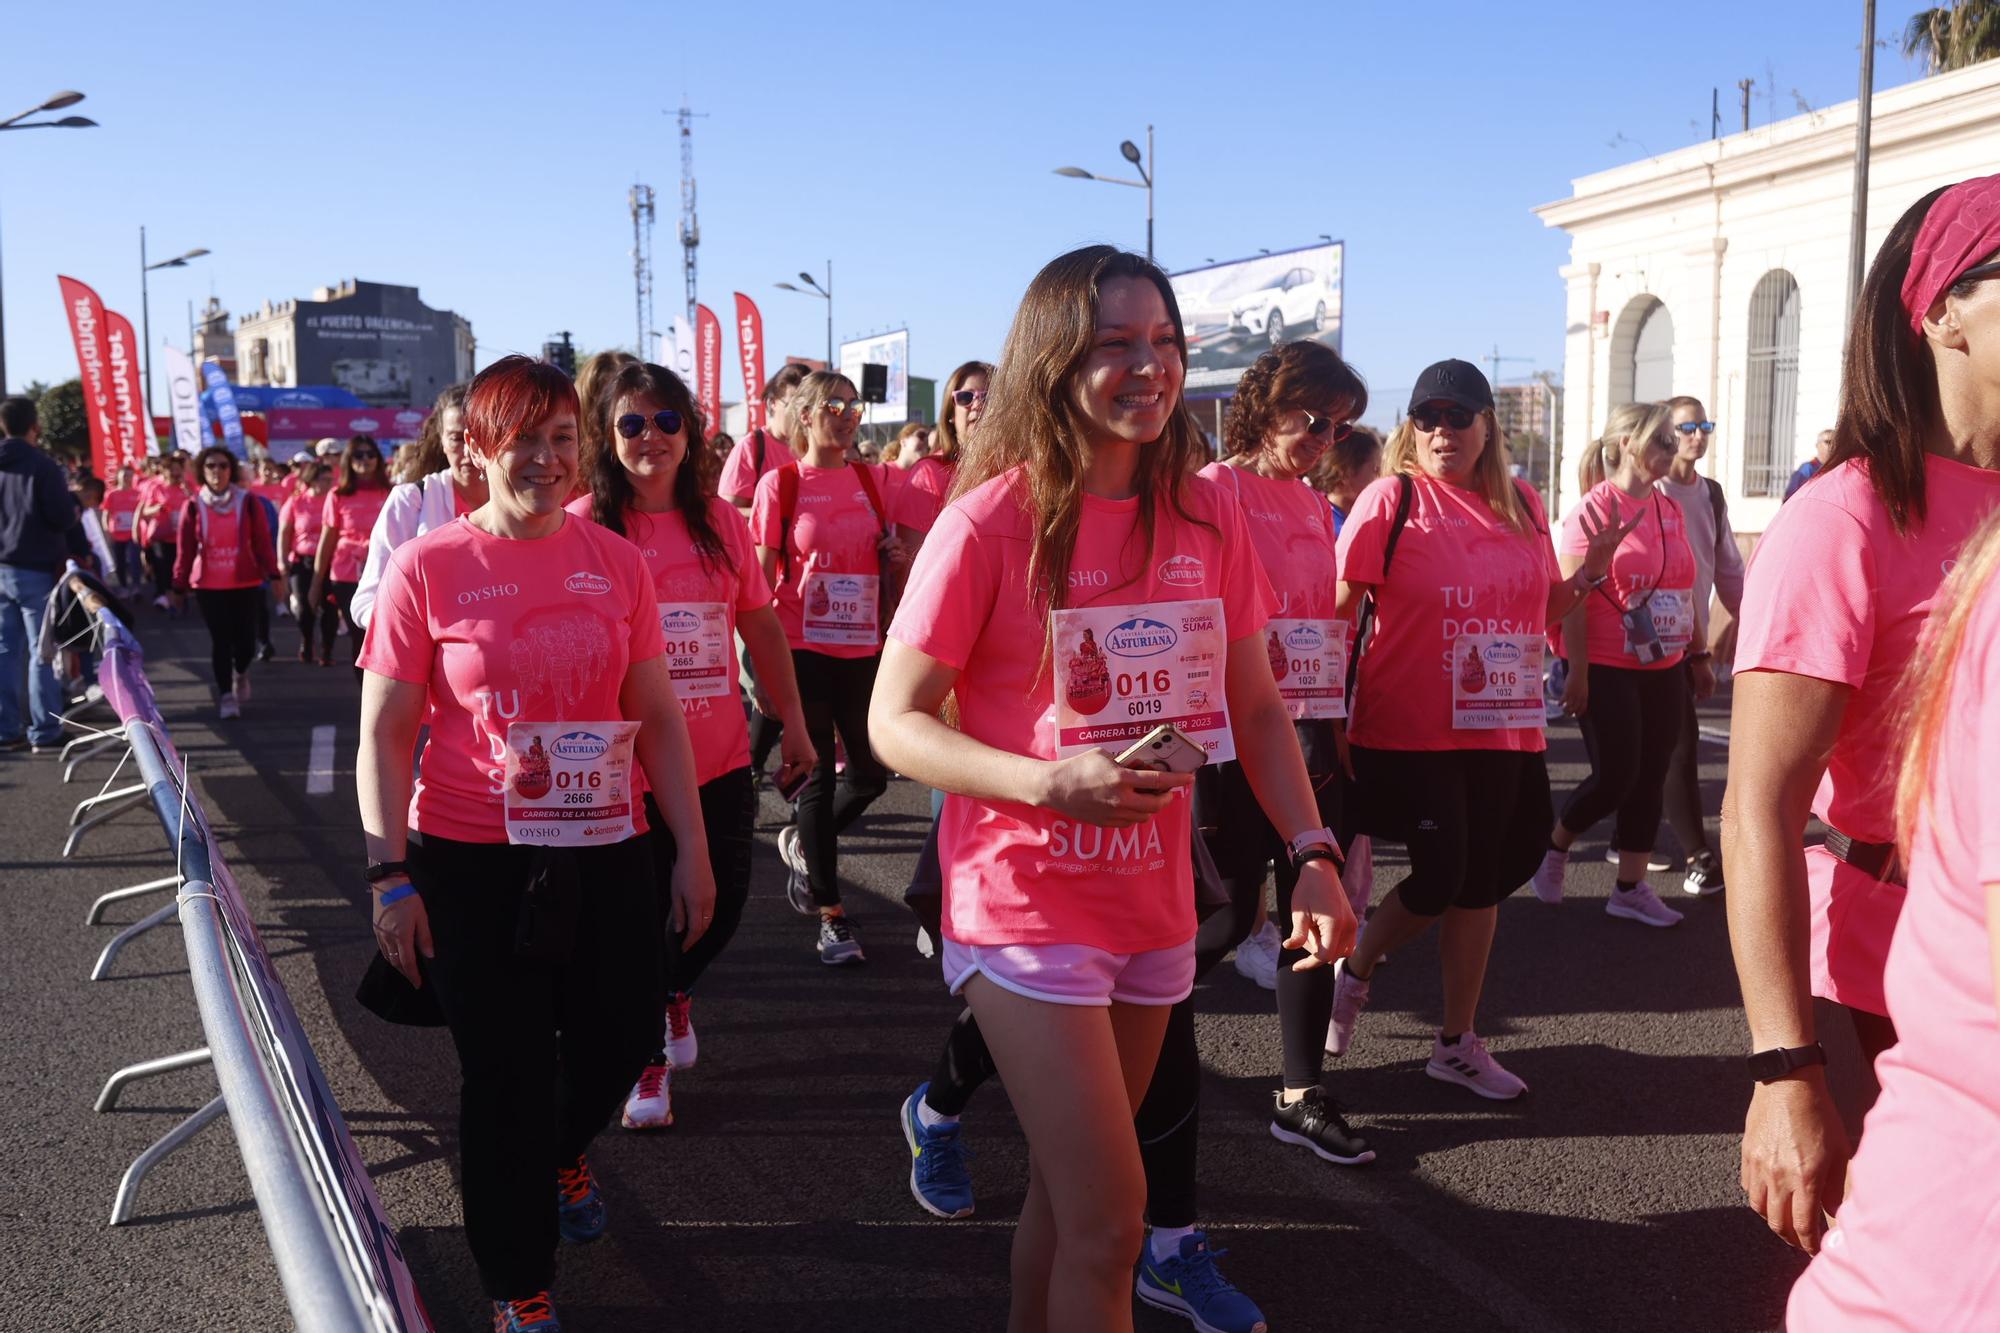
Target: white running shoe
650, 1104
1467, 1063
1257, 957
1350, 997
229, 707
1654, 861
242, 688
681, 1045
1641, 904
1548, 880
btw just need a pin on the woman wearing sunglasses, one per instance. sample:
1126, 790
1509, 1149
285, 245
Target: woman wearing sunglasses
225, 551
929, 481
1837, 594
450, 481
1447, 718
709, 588
300, 523
351, 511
824, 540
1625, 645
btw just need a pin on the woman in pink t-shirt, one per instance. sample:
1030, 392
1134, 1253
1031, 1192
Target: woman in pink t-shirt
158, 521
121, 516
708, 588
226, 554
1082, 589
823, 535
300, 523
1447, 718
1836, 595
351, 509
513, 878
929, 482
1917, 1243
764, 449
1625, 644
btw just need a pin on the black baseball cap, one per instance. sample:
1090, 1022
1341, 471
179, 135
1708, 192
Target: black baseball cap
1458, 382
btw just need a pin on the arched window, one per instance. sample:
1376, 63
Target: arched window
1642, 353
1770, 424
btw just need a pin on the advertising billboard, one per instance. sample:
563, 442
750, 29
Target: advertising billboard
882, 349
1235, 312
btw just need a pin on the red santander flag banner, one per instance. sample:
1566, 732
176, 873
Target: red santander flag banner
87, 330
127, 399
708, 366
750, 345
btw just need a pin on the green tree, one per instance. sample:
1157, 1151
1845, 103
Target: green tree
1953, 36
65, 427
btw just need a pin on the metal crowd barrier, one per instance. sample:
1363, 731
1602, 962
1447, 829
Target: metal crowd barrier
335, 1251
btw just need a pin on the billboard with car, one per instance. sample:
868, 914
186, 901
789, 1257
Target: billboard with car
1234, 312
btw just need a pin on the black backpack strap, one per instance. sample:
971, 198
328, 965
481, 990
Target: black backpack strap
758, 436
1717, 504
1364, 620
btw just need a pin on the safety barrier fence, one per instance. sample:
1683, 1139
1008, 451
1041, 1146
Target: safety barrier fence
335, 1251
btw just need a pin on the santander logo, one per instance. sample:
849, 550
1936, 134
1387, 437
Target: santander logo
1181, 570
595, 584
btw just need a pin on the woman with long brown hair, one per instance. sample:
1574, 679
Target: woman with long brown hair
1833, 605
1069, 916
351, 509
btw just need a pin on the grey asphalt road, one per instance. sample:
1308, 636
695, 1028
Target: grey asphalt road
1605, 1199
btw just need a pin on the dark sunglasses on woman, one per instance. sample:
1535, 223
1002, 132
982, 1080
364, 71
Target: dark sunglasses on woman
1317, 425
1690, 427
968, 397
633, 424
1429, 415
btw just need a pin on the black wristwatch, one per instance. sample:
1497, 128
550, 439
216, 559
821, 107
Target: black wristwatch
380, 870
1767, 1066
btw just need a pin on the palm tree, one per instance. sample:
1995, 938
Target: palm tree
1961, 33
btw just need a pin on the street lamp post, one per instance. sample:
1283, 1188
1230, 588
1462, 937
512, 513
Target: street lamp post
21, 122
812, 288
1130, 152
146, 309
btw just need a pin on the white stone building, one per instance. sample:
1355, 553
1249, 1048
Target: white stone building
1721, 271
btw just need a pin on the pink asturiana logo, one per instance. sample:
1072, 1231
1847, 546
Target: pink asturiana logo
595, 584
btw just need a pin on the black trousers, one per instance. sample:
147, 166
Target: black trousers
729, 816
343, 598
1628, 729
125, 558
1475, 822
1682, 795
546, 1050
833, 694
160, 555
325, 617
231, 617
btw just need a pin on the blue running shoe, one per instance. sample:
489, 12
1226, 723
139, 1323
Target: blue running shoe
938, 1177
1191, 1286
579, 1206
532, 1315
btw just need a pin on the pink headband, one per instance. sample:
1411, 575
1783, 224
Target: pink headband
1962, 227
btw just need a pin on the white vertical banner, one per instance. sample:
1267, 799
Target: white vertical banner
184, 392
684, 350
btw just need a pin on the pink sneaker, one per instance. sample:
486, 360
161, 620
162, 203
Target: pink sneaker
680, 1030
1467, 1063
1350, 997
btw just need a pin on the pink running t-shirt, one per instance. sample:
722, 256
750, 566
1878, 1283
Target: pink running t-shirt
506, 631
740, 473
353, 518
834, 532
120, 509
683, 582
1917, 1245
307, 513
1019, 874
1835, 593
1654, 559
1458, 570
921, 499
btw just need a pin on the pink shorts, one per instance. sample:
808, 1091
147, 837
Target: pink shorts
1075, 973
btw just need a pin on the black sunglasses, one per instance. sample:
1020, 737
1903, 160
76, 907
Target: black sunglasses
1321, 425
967, 397
633, 424
1428, 416
1979, 273
1690, 427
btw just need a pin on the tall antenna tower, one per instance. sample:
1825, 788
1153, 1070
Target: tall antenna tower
690, 225
640, 197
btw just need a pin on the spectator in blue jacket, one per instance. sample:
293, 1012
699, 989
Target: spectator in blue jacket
1806, 471
37, 518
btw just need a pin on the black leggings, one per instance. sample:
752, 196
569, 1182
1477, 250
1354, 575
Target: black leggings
1476, 822
160, 555
231, 617
729, 816
833, 694
326, 617
343, 599
1628, 727
1682, 795
547, 1050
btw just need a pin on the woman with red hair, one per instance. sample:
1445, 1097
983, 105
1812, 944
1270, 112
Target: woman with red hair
514, 876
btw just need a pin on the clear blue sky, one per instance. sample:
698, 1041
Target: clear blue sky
483, 153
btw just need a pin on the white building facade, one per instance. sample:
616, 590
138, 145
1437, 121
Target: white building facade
1721, 271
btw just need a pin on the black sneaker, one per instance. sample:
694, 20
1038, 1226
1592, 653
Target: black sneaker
1314, 1121
1704, 875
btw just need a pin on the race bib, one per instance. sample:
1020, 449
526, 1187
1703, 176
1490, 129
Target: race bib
840, 609
1673, 617
1496, 682
1309, 662
569, 784
1123, 670
697, 636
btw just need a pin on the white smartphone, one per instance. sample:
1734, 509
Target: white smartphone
1163, 750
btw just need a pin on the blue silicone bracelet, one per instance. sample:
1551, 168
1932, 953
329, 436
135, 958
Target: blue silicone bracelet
396, 895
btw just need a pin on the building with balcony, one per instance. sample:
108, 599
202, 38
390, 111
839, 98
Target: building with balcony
376, 340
